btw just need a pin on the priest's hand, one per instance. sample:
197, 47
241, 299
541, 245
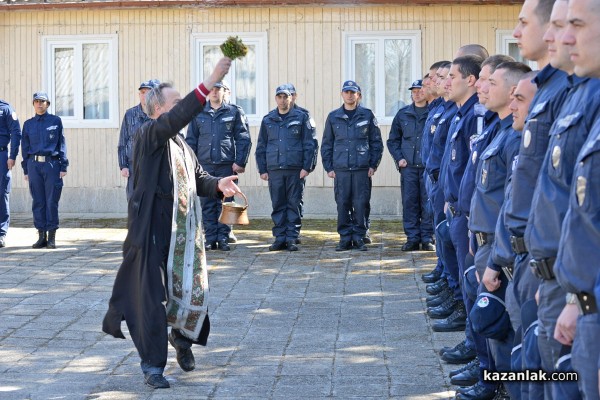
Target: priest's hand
228, 186
221, 69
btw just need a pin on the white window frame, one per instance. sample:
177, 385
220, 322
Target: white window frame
260, 41
504, 37
49, 43
351, 38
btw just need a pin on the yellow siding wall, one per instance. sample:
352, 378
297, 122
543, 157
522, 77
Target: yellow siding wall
305, 47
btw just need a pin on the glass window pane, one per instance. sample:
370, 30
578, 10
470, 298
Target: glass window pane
398, 74
211, 54
95, 81
364, 65
245, 81
64, 97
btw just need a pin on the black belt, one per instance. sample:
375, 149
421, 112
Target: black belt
587, 303
508, 271
543, 268
518, 244
484, 238
3, 148
43, 158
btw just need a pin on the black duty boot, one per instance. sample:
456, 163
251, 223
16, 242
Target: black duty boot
460, 355
441, 298
42, 241
443, 310
52, 239
436, 287
456, 322
431, 276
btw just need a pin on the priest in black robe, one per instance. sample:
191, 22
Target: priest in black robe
163, 279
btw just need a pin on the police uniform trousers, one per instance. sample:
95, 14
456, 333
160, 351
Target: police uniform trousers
286, 190
5, 177
352, 191
417, 220
585, 354
45, 185
552, 302
214, 231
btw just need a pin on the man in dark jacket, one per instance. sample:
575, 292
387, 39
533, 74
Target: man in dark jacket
284, 153
351, 151
220, 139
404, 145
163, 254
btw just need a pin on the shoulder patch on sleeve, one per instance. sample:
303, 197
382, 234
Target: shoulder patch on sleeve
375, 123
14, 115
310, 124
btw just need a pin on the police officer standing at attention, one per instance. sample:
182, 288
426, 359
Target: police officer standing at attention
284, 154
351, 151
10, 132
132, 120
404, 144
221, 141
44, 165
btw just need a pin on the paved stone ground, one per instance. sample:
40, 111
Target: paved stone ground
311, 324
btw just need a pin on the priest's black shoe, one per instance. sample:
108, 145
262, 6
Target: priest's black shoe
442, 311
276, 246
223, 245
477, 392
456, 322
427, 246
468, 377
211, 246
157, 381
343, 245
185, 357
473, 362
437, 287
360, 245
410, 246
432, 276
291, 245
461, 355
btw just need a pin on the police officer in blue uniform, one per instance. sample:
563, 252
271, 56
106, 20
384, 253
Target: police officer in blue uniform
351, 151
44, 165
221, 142
10, 132
578, 249
285, 154
132, 120
550, 199
494, 170
404, 144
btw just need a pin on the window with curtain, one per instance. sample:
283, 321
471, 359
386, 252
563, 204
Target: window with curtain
384, 64
248, 83
81, 80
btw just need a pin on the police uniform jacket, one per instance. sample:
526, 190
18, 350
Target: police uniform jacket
579, 248
459, 152
493, 172
10, 130
43, 136
436, 109
220, 136
351, 144
285, 142
491, 125
551, 196
405, 136
132, 120
544, 109
438, 144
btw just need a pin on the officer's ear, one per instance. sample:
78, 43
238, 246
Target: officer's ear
472, 79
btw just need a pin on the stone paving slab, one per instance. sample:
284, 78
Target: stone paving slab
311, 324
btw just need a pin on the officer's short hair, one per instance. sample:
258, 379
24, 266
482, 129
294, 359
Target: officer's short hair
495, 60
473, 50
468, 65
543, 9
446, 64
514, 70
155, 97
438, 64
